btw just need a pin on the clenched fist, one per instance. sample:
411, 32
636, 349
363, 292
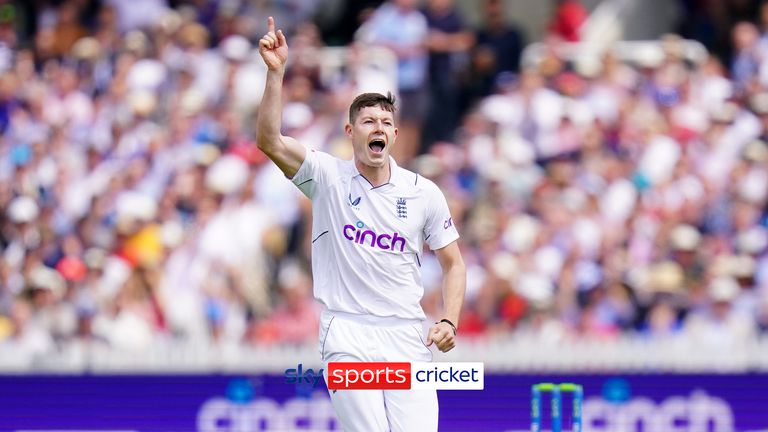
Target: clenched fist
442, 335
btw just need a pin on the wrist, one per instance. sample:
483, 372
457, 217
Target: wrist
450, 323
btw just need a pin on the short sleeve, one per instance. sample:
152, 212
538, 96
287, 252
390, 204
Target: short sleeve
315, 171
439, 230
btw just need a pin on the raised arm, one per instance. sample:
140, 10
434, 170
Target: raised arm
287, 153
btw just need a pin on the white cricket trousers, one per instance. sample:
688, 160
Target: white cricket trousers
348, 337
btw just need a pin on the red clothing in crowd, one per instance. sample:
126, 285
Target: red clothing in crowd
568, 18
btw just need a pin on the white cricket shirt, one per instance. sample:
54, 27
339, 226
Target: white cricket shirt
367, 241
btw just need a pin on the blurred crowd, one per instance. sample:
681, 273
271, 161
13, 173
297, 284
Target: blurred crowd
593, 199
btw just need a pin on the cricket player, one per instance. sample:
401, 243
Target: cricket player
370, 221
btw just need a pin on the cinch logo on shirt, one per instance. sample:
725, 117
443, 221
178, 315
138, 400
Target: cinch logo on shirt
448, 223
359, 234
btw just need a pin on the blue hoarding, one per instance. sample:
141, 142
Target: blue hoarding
229, 403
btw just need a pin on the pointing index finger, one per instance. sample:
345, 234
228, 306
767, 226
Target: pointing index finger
271, 24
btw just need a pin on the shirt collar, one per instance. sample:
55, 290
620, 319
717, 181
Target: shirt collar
394, 173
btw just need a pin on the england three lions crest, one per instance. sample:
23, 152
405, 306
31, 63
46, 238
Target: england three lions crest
401, 208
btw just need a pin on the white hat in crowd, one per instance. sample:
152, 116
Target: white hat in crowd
685, 237
235, 48
752, 241
23, 209
228, 174
723, 289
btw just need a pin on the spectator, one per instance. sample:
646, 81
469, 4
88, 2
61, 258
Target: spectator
68, 28
137, 14
719, 323
504, 40
567, 20
448, 40
401, 27
297, 316
8, 35
746, 56
28, 341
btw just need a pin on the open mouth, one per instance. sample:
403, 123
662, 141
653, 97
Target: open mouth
376, 145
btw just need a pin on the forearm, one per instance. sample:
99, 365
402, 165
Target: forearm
443, 42
454, 286
405, 51
269, 121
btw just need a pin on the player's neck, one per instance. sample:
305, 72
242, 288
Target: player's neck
376, 176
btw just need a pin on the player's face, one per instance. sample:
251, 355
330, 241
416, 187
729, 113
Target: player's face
373, 135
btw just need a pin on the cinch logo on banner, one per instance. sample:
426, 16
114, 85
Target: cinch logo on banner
405, 376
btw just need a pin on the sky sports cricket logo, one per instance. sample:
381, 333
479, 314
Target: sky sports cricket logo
393, 376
